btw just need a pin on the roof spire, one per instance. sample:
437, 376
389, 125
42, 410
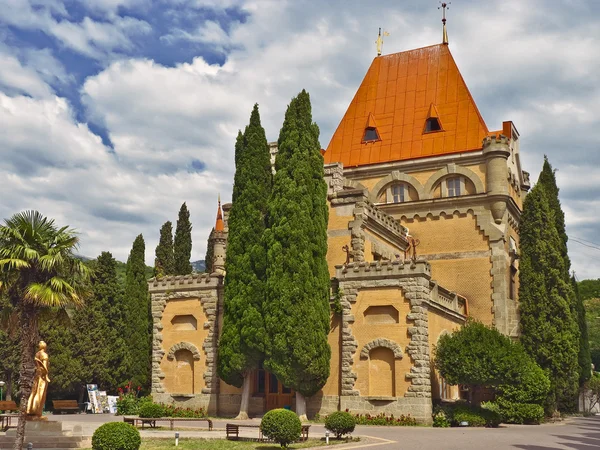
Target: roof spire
379, 41
444, 6
219, 225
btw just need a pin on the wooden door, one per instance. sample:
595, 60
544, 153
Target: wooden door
278, 396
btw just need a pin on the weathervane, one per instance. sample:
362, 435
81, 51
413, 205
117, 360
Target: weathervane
444, 6
379, 41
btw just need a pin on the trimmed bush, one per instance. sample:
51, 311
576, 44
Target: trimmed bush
282, 426
340, 423
151, 411
116, 436
522, 413
461, 412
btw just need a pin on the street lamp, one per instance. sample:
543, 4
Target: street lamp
2, 383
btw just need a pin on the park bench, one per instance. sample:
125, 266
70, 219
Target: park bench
65, 406
6, 418
135, 420
232, 431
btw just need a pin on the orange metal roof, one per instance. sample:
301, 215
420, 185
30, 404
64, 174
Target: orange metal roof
219, 224
398, 93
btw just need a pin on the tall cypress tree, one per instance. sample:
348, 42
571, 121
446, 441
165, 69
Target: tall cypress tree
547, 179
182, 247
549, 331
584, 357
297, 308
137, 316
109, 302
165, 258
210, 253
242, 342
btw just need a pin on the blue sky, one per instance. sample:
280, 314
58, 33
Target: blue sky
114, 112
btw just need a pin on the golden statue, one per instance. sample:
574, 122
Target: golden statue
35, 405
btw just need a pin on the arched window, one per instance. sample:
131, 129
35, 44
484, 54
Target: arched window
397, 193
454, 186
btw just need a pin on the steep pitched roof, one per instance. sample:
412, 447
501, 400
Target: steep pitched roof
399, 93
219, 224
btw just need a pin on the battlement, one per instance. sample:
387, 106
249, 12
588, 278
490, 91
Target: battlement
498, 139
383, 269
194, 281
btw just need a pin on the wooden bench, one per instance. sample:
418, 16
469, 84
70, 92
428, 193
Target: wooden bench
6, 418
65, 406
135, 420
232, 431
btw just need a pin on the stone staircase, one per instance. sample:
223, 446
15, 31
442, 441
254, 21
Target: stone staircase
49, 435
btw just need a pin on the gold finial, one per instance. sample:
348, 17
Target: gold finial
219, 198
444, 6
379, 41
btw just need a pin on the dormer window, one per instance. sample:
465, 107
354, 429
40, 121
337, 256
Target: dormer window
432, 124
371, 132
370, 135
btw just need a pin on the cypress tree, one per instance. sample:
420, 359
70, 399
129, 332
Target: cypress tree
547, 179
297, 308
585, 357
549, 331
210, 253
108, 301
137, 317
183, 243
242, 343
165, 258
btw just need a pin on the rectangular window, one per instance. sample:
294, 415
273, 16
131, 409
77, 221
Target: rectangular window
512, 291
398, 193
453, 186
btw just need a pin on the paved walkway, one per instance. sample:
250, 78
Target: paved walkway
575, 434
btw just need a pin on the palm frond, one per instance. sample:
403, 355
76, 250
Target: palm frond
14, 263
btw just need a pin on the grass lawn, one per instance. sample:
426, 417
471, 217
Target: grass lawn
222, 444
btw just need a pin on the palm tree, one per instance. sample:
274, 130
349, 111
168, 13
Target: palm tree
38, 270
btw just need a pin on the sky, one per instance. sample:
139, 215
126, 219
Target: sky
115, 112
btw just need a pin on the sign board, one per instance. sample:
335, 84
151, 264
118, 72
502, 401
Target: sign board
92, 390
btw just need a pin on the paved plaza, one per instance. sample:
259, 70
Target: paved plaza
575, 433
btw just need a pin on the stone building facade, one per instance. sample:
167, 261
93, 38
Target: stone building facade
424, 208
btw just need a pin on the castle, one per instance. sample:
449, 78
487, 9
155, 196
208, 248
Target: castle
424, 208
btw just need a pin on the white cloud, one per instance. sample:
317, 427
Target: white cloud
522, 63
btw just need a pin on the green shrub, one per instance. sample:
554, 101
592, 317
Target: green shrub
440, 420
129, 404
340, 423
116, 436
529, 385
151, 411
522, 413
282, 426
462, 412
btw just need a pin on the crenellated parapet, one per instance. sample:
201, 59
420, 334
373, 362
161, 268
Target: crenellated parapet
383, 269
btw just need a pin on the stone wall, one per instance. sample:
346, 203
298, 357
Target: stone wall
208, 289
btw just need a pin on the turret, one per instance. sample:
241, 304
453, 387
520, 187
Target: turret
219, 240
496, 151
